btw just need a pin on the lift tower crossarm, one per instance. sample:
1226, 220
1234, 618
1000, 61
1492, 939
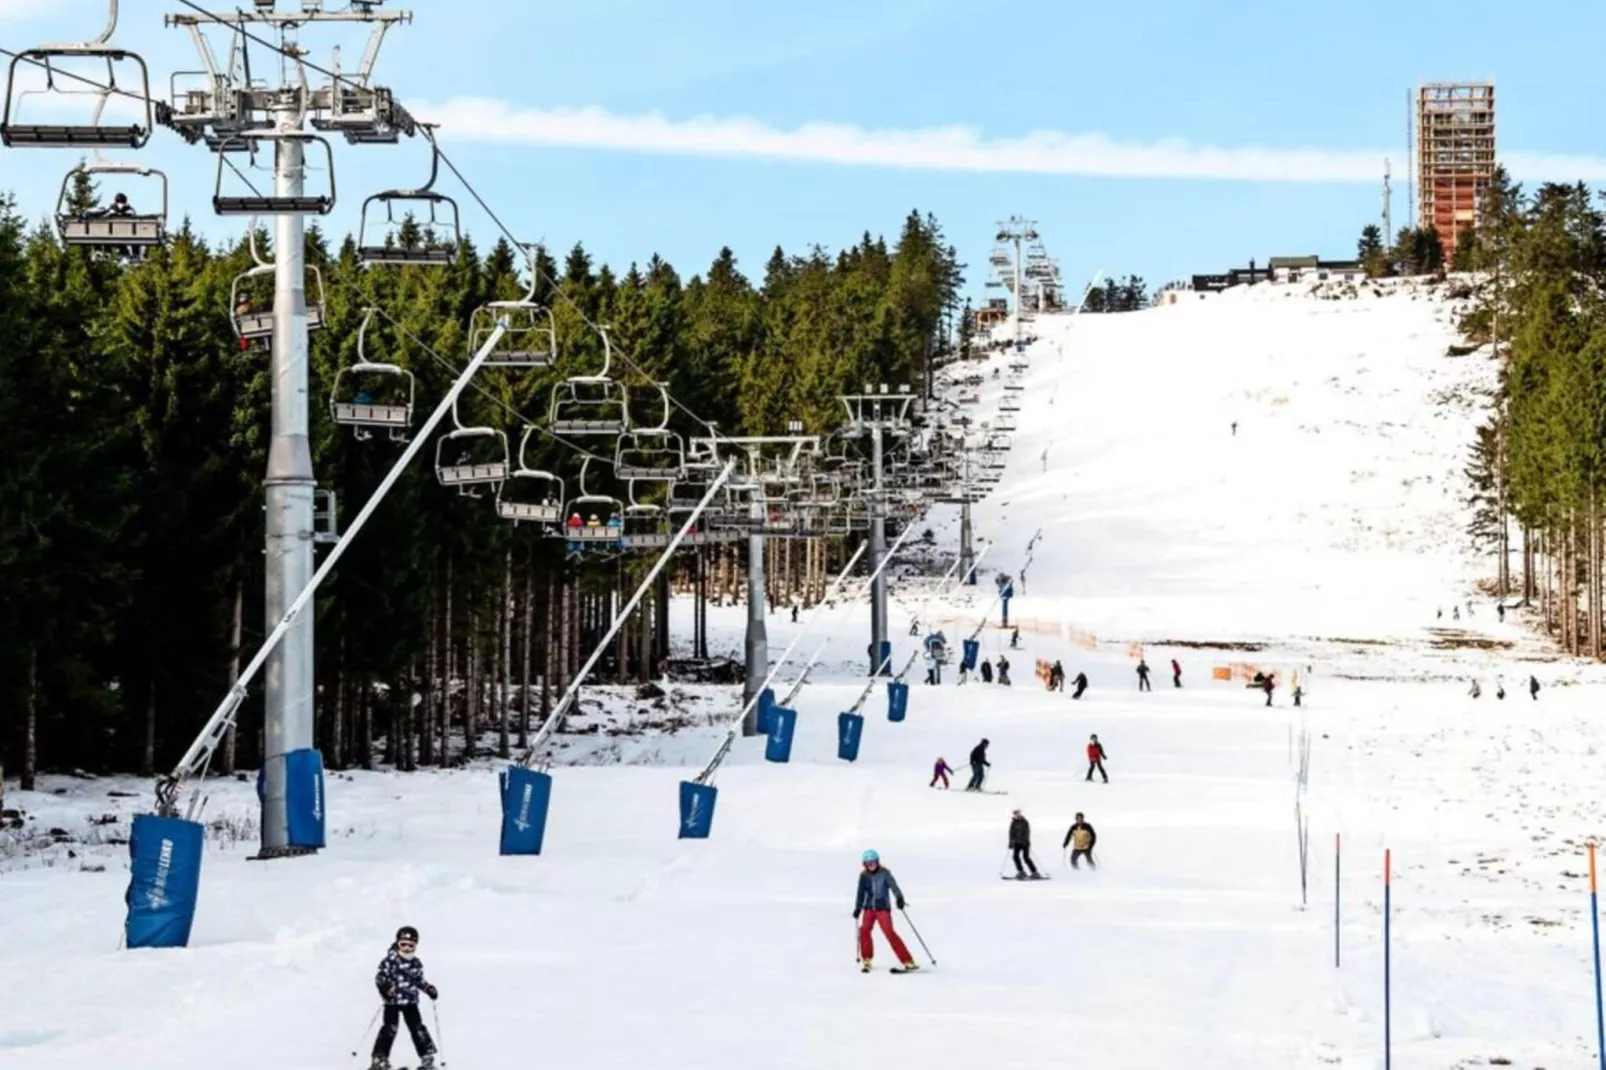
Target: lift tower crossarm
199, 755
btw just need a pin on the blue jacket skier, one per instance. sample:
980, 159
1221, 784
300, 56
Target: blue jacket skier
878, 891
399, 979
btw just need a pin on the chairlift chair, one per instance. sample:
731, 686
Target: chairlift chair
15, 133
1005, 422
591, 404
530, 341
530, 495
370, 394
1009, 403
254, 321
102, 229
601, 521
255, 203
646, 527
469, 457
375, 245
650, 455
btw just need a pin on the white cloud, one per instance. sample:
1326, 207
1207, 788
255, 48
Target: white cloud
953, 148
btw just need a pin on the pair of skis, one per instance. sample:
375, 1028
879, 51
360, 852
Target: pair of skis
1020, 877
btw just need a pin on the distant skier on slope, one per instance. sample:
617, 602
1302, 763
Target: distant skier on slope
1014, 639
931, 670
940, 772
1056, 677
878, 892
986, 671
399, 979
1499, 687
1080, 839
978, 766
1533, 688
1143, 676
1268, 685
1020, 845
1095, 758
1176, 673
1475, 691
1080, 683
1003, 671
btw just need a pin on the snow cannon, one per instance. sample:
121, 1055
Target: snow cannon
526, 796
849, 732
696, 809
164, 880
303, 789
897, 700
778, 745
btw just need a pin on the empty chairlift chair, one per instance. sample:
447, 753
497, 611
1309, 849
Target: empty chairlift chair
253, 201
592, 405
384, 235
651, 454
370, 394
531, 338
530, 495
646, 527
78, 73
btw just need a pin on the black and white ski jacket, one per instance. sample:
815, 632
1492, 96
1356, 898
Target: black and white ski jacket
399, 979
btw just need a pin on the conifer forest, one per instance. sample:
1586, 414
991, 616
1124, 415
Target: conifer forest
134, 423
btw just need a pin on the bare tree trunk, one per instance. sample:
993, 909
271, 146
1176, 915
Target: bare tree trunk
30, 722
527, 618
504, 681
1528, 586
147, 759
551, 638
430, 690
228, 751
471, 688
451, 672
367, 699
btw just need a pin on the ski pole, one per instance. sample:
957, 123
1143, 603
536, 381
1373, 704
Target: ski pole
435, 1007
365, 1029
914, 929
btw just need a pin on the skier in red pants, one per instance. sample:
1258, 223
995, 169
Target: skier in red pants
878, 891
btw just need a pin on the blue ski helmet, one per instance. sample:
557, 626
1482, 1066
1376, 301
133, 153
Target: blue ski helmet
871, 856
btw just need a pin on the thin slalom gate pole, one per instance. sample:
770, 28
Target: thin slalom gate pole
1338, 893
223, 717
1594, 923
736, 724
808, 666
570, 695
971, 571
1388, 1000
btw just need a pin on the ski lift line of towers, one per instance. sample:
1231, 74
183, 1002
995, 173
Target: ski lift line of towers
1022, 268
784, 497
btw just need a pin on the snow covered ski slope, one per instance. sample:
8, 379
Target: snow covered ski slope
1324, 534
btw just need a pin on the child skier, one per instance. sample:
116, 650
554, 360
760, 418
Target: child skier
878, 891
1176, 673
400, 978
940, 772
1095, 759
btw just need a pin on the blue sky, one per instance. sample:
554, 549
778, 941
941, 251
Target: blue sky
1162, 138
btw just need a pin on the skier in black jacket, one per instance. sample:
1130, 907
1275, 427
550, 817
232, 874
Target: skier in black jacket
1081, 685
978, 766
400, 978
1020, 845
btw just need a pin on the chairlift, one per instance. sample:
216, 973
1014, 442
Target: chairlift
530, 495
591, 404
531, 337
594, 519
120, 226
650, 455
15, 133
256, 203
370, 394
381, 247
469, 457
646, 527
251, 303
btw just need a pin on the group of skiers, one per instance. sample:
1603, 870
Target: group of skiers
1079, 839
986, 671
1476, 690
1056, 680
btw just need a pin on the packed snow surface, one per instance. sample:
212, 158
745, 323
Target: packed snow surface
1322, 538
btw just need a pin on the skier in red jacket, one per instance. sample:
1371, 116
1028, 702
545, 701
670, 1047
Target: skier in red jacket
1095, 758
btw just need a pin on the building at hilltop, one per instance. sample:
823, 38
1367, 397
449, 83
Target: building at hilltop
1455, 154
